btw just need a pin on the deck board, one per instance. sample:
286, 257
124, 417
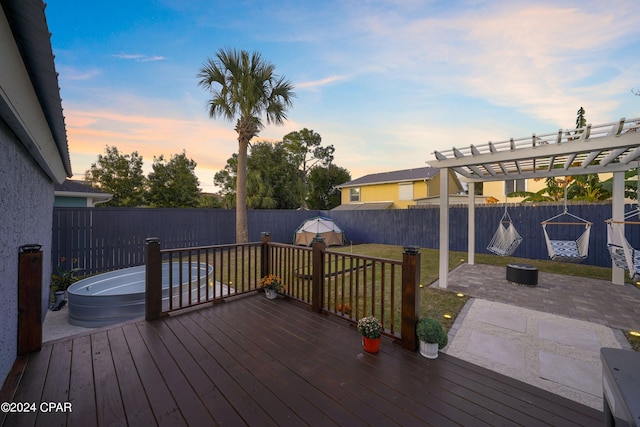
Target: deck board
81, 387
253, 361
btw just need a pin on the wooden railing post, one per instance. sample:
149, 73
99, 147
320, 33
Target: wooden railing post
410, 297
153, 279
265, 254
29, 299
317, 277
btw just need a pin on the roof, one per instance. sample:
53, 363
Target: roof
406, 175
363, 206
70, 186
31, 33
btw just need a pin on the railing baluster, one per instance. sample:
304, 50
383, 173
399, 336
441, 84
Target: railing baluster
313, 276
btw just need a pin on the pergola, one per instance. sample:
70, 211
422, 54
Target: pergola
611, 147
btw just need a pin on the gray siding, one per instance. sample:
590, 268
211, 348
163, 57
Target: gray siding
26, 200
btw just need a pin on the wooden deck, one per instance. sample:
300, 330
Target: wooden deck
257, 362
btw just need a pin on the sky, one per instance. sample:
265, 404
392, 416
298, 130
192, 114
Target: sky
385, 82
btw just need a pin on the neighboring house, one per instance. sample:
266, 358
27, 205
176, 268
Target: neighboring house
395, 190
35, 155
75, 194
499, 189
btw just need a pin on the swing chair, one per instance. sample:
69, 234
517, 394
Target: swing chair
623, 255
506, 239
567, 250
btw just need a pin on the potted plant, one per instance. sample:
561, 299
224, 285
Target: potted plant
60, 281
371, 330
271, 284
432, 337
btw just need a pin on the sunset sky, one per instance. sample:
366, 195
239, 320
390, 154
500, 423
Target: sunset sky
385, 82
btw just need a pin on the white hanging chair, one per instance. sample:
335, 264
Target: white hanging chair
568, 250
623, 255
506, 239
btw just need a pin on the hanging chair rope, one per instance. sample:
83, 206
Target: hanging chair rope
568, 250
623, 255
506, 238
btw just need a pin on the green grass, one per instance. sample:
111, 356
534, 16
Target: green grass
634, 341
434, 302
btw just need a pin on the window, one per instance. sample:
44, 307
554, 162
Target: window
354, 194
514, 185
406, 191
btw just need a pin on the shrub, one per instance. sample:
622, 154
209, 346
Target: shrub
431, 331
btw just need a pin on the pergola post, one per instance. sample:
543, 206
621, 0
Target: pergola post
444, 228
617, 214
471, 239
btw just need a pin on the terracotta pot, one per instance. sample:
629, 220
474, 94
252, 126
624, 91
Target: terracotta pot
371, 345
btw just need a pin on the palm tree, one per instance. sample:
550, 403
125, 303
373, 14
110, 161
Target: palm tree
244, 86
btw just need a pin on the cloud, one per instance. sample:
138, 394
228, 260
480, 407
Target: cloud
538, 59
322, 82
139, 57
75, 74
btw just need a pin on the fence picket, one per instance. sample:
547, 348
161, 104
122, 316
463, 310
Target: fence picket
103, 239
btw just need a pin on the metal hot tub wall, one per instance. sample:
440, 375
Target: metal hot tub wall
117, 296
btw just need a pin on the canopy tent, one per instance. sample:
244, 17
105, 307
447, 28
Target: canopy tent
321, 227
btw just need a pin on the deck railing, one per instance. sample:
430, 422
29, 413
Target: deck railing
336, 283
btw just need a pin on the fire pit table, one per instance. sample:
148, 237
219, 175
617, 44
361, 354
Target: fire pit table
522, 274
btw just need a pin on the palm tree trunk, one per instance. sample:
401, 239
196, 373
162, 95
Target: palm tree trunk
242, 229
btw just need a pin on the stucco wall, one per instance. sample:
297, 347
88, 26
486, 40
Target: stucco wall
26, 200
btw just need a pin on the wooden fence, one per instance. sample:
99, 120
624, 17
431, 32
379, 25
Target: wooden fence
102, 239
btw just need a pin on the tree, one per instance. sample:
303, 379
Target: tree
322, 181
243, 87
306, 152
581, 121
273, 181
173, 183
226, 180
120, 175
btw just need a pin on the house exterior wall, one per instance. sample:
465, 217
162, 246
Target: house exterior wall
495, 189
27, 198
390, 192
72, 202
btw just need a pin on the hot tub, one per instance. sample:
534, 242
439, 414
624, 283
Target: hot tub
117, 296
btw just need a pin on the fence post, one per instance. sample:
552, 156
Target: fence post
265, 258
317, 277
153, 279
29, 299
410, 297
